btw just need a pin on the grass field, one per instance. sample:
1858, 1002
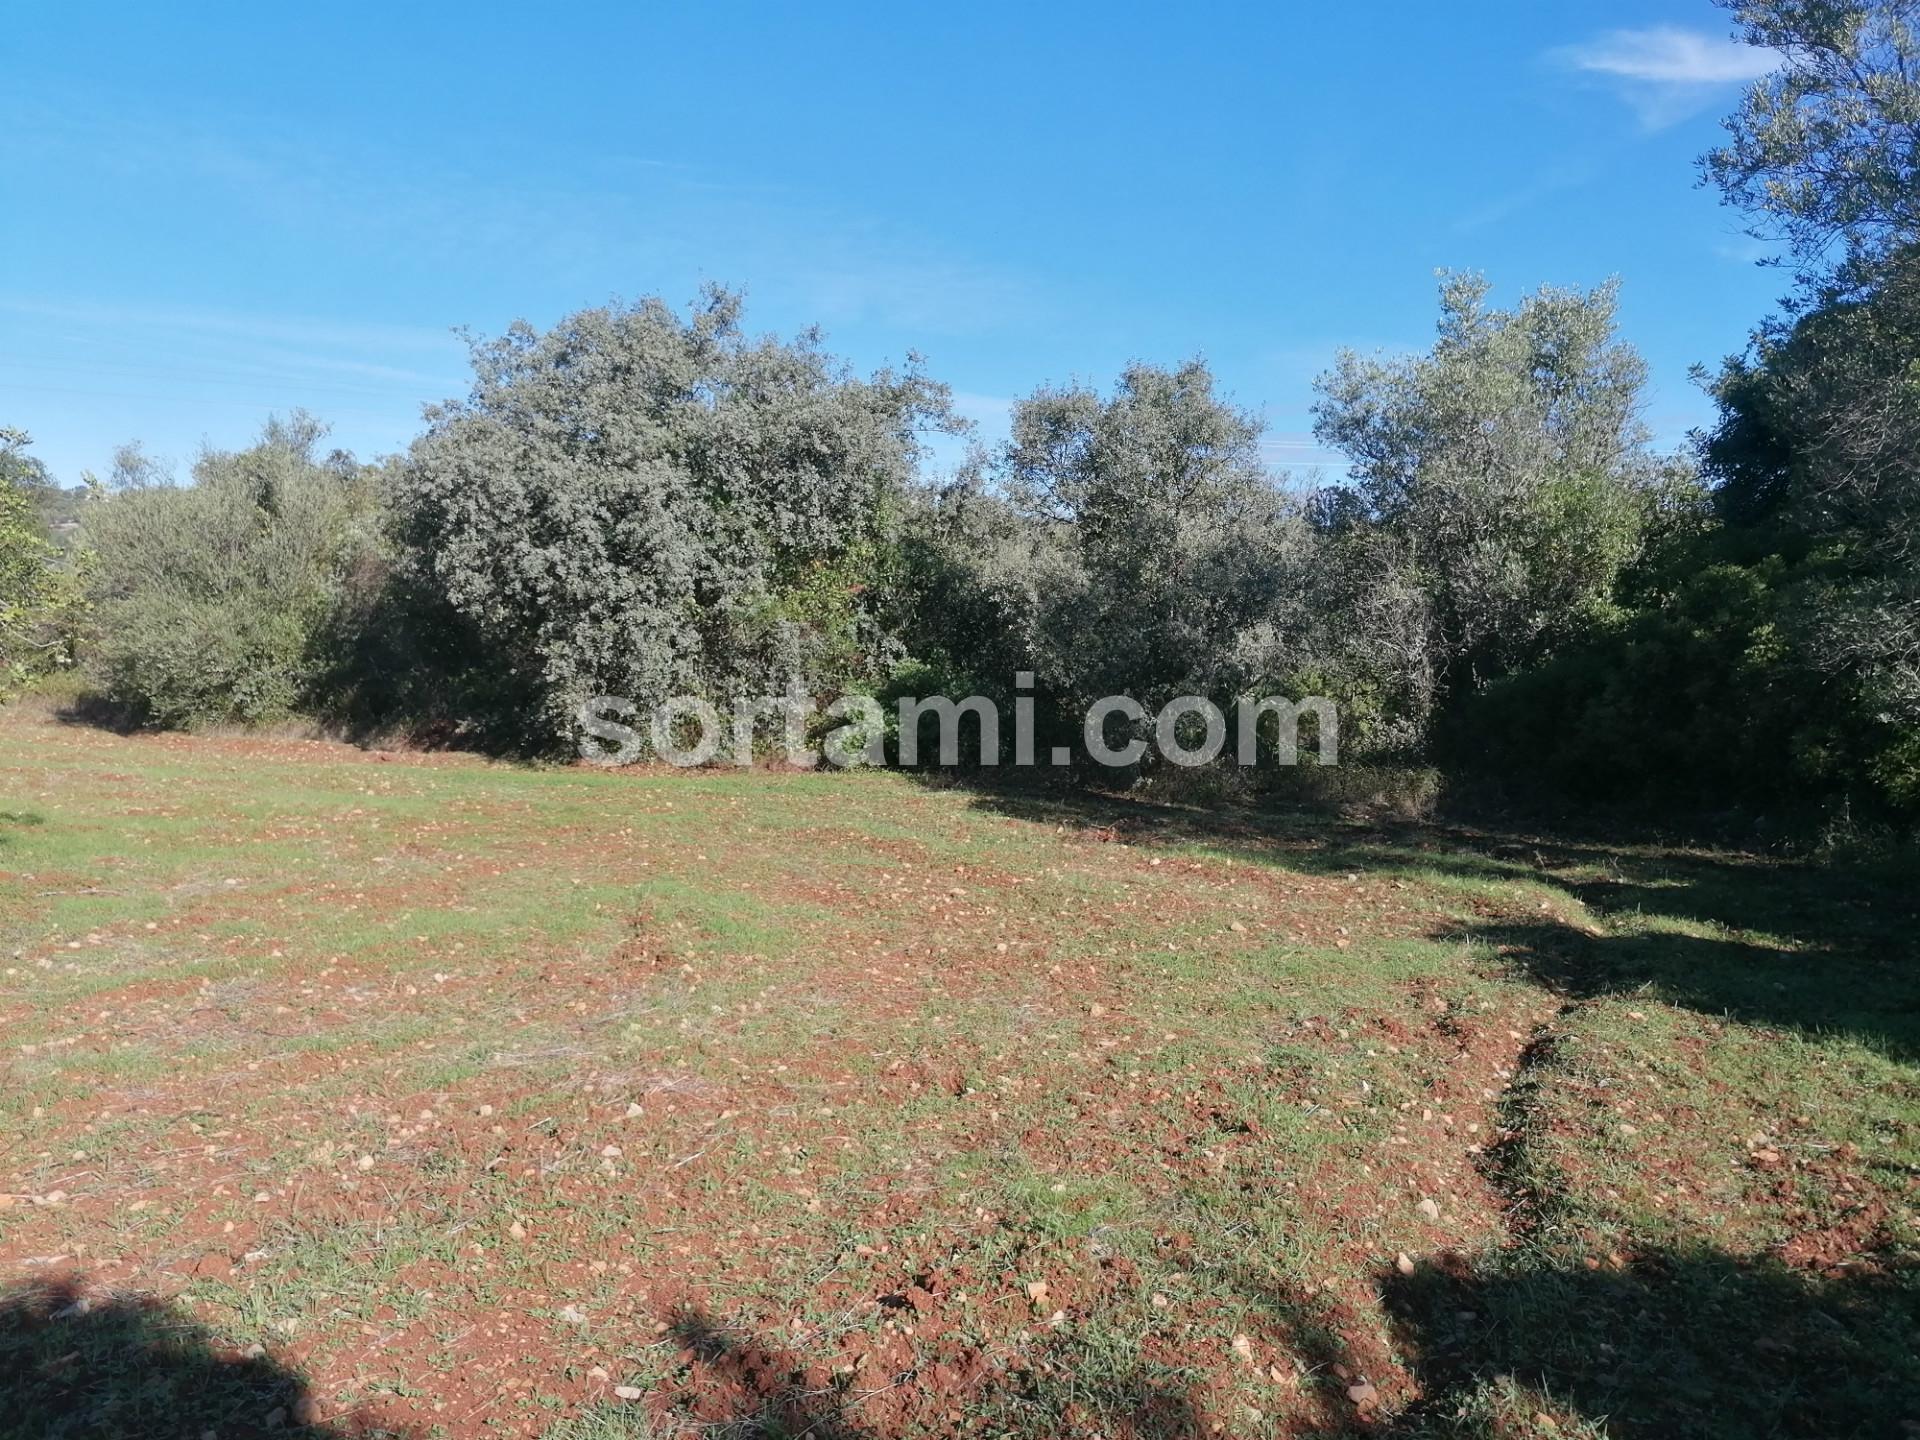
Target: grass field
350, 1093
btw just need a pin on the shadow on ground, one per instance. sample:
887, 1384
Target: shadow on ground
1675, 1344
1695, 1344
1793, 945
78, 1364
749, 1387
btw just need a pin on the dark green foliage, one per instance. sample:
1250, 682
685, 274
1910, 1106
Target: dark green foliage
1770, 657
1770, 654
396, 659
1704, 700
42, 612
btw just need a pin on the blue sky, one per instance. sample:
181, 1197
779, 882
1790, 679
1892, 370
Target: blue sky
219, 211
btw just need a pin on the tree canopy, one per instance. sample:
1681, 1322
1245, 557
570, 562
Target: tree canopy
639, 504
1502, 476
1824, 153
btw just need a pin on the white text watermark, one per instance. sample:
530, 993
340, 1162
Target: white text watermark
1117, 731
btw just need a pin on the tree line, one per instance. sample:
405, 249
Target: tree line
1511, 581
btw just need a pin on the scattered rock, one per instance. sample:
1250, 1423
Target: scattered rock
1429, 1208
1404, 1264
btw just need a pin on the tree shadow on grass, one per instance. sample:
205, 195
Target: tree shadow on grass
1691, 1343
742, 1386
736, 1385
1787, 944
78, 1364
1873, 997
90, 711
1677, 1343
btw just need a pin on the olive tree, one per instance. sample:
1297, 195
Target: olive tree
641, 505
213, 599
1498, 481
30, 572
1169, 534
1824, 152
1122, 544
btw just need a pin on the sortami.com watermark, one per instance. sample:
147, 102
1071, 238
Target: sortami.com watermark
1189, 730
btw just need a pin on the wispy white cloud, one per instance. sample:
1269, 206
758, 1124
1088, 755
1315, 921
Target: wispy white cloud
992, 413
1504, 207
1746, 251
182, 377
1665, 54
1666, 73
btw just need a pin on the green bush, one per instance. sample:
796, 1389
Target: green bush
638, 505
215, 599
203, 660
42, 611
1708, 700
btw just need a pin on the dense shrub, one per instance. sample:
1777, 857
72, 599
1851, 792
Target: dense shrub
214, 600
42, 610
397, 661
1500, 485
1130, 544
1819, 444
1713, 697
1769, 656
638, 505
